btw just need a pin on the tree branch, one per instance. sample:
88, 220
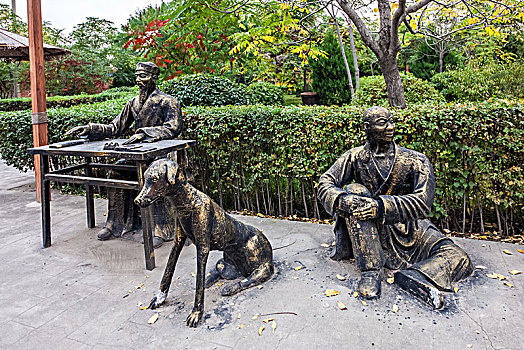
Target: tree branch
361, 27
417, 6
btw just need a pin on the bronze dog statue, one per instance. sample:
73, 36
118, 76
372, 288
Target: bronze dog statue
247, 252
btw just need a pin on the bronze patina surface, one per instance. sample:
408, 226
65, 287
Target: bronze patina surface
153, 116
381, 196
247, 252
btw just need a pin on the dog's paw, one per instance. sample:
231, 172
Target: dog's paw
194, 318
157, 300
231, 288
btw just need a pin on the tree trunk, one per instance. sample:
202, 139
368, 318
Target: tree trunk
441, 60
355, 60
394, 86
345, 60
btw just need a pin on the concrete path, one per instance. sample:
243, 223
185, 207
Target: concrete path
85, 294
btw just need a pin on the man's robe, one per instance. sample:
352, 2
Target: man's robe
405, 197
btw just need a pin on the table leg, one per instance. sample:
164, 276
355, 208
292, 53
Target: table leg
147, 225
90, 203
45, 190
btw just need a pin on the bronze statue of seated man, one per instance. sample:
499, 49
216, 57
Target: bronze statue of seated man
152, 116
381, 195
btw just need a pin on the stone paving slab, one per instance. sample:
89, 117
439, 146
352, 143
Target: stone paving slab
85, 294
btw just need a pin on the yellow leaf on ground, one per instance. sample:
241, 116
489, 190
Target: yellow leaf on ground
255, 317
325, 245
456, 289
469, 345
507, 252
267, 320
341, 306
153, 319
299, 267
240, 326
260, 287
341, 278
364, 303
490, 275
481, 267
515, 272
334, 243
261, 329
508, 284
239, 316
144, 307
273, 326
331, 292
193, 274
391, 280
395, 308
355, 294
499, 276
520, 251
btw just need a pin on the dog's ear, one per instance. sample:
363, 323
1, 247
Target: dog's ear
171, 171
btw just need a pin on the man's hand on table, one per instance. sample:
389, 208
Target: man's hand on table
135, 138
82, 130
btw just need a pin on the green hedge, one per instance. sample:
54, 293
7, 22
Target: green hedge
24, 103
268, 158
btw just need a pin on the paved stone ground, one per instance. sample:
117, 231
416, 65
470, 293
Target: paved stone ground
85, 294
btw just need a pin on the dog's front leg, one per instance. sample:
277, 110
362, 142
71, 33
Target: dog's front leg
160, 297
198, 308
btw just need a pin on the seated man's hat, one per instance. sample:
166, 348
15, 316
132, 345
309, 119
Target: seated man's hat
148, 67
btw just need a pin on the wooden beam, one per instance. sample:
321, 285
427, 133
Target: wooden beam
38, 93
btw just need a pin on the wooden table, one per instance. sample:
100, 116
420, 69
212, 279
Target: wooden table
141, 154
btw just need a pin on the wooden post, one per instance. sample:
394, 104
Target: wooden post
38, 94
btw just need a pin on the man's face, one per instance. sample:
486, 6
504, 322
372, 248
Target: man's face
144, 79
381, 128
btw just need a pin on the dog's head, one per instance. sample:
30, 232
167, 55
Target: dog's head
159, 177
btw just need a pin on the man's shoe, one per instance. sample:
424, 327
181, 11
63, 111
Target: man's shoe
105, 234
157, 242
370, 283
417, 284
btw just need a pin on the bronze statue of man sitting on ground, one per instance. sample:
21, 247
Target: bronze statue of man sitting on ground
381, 195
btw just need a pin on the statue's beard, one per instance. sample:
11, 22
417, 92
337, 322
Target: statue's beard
144, 92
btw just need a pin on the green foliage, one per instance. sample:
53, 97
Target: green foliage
24, 103
264, 93
205, 90
330, 79
473, 83
372, 91
268, 158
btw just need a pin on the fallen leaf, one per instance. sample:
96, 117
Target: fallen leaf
334, 243
219, 284
193, 274
299, 267
508, 284
325, 245
490, 275
144, 307
255, 317
469, 345
331, 292
507, 252
240, 326
239, 316
341, 278
515, 272
153, 319
364, 303
273, 326
341, 306
355, 294
260, 287
261, 329
395, 308
267, 320
499, 276
520, 251
484, 245
208, 274
456, 289
481, 267
391, 280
